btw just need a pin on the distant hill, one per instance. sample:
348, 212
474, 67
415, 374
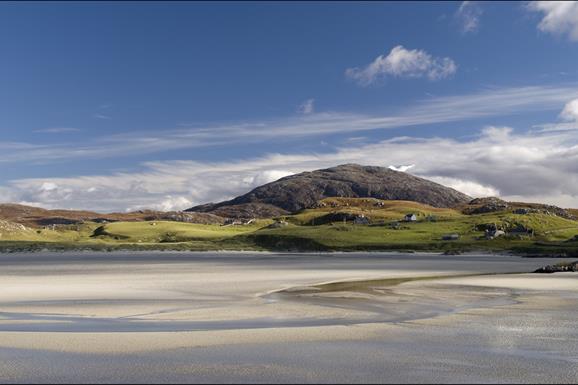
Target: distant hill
304, 190
39, 217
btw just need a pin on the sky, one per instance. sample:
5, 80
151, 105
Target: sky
120, 106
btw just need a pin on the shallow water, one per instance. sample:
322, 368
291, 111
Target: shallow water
242, 317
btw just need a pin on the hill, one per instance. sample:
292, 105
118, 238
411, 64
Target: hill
39, 217
301, 191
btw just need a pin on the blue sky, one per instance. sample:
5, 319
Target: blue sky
118, 106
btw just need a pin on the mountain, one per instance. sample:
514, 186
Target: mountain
304, 190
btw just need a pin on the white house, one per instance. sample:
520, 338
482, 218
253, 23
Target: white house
410, 218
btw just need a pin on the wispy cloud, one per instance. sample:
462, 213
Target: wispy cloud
468, 16
559, 17
307, 107
57, 130
101, 116
103, 112
486, 103
403, 63
526, 166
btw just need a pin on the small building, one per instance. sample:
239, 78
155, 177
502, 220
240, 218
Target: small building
494, 233
410, 218
451, 237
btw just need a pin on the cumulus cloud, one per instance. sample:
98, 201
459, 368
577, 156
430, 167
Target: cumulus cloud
468, 16
169, 203
569, 116
473, 189
307, 107
499, 161
559, 17
403, 63
570, 111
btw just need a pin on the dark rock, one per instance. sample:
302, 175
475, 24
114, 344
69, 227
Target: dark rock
562, 267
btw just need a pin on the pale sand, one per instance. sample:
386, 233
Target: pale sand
183, 320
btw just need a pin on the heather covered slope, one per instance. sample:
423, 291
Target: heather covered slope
304, 190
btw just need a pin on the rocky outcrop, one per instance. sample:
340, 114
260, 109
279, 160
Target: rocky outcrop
493, 204
561, 267
485, 205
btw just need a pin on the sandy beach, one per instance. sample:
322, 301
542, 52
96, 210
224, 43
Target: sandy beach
245, 317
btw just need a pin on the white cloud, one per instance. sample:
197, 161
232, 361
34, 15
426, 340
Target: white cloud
57, 130
569, 115
307, 107
530, 166
468, 16
169, 203
101, 116
473, 189
559, 17
570, 111
403, 63
48, 186
486, 103
402, 168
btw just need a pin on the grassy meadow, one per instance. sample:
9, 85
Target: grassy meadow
328, 227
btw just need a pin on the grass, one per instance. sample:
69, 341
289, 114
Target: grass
551, 233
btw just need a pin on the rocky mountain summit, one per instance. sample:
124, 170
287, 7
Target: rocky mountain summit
300, 191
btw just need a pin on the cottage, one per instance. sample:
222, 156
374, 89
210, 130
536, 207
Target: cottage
451, 237
493, 232
410, 218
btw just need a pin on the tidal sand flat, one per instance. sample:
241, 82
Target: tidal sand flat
258, 317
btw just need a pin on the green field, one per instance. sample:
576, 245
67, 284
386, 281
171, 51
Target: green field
316, 230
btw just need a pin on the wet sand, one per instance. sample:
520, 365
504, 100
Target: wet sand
243, 317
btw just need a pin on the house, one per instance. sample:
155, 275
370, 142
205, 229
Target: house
451, 237
410, 218
494, 233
